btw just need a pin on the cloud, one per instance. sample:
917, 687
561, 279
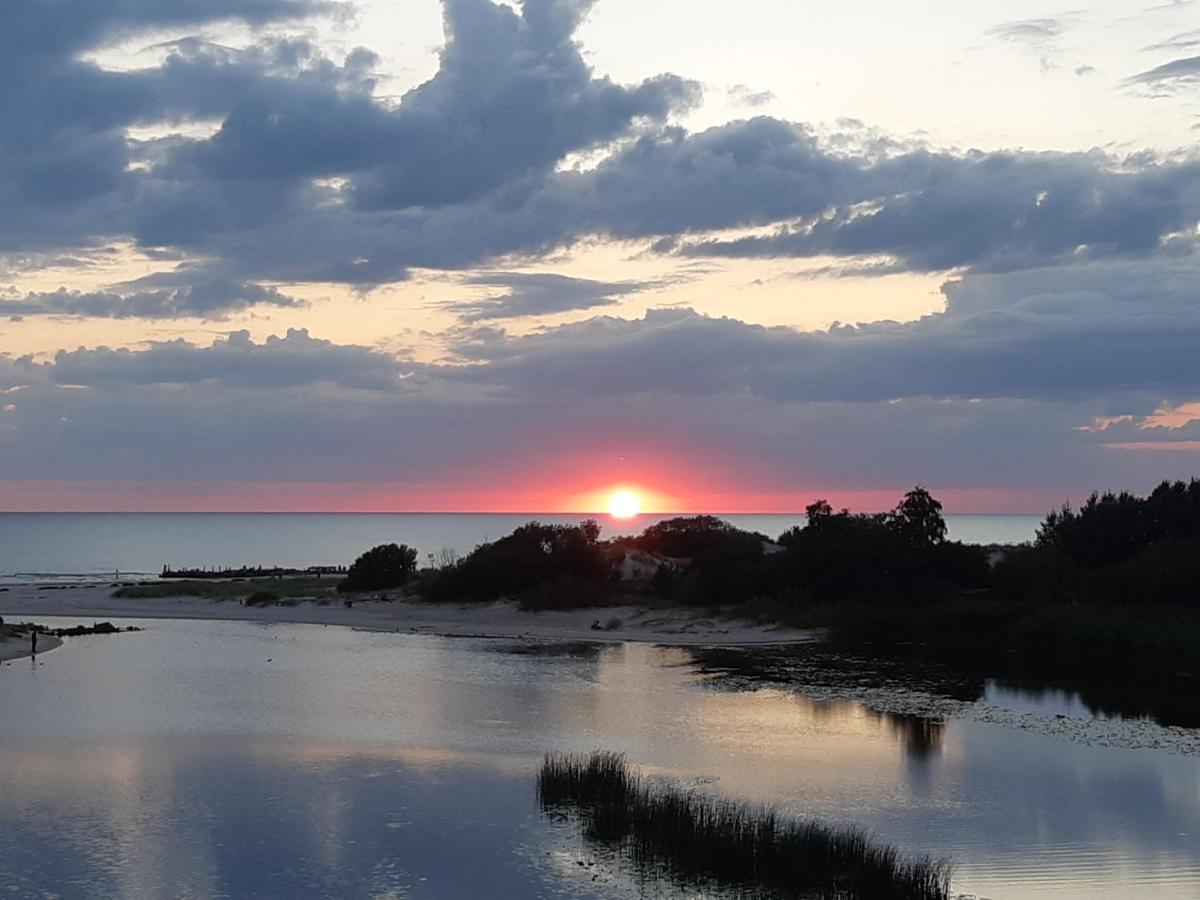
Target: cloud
1040, 36
1057, 335
1187, 40
307, 175
1157, 446
1172, 417
1174, 75
297, 409
539, 294
744, 95
997, 390
989, 211
294, 360
170, 295
1037, 33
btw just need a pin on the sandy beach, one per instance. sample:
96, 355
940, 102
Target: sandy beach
493, 620
18, 647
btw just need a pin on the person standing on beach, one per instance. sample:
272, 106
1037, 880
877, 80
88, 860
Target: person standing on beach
33, 641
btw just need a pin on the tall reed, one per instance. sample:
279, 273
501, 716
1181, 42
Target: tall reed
694, 838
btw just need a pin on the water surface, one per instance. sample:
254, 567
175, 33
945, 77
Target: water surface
213, 759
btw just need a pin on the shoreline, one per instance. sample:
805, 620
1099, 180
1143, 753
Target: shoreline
675, 626
15, 648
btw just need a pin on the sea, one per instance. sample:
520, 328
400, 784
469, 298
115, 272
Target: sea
70, 547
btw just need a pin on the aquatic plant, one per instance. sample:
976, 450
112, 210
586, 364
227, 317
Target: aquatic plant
693, 838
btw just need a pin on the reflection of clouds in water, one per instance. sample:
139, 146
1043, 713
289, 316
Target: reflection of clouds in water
216, 820
123, 828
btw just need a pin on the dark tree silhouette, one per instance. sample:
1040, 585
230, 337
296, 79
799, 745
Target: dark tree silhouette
817, 512
919, 516
382, 567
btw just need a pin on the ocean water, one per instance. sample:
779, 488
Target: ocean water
66, 546
237, 759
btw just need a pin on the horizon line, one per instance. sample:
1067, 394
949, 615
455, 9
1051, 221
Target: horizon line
448, 512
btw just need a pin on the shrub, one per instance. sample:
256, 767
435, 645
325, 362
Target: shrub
1126, 645
382, 567
534, 556
262, 598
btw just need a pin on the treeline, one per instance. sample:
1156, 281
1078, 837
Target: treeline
901, 556
1115, 550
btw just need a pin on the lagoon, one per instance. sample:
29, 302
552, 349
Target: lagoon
236, 759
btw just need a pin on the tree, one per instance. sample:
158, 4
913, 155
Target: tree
818, 511
919, 517
382, 567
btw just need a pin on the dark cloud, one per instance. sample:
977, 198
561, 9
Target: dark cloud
1063, 334
539, 294
162, 296
237, 361
294, 408
1075, 299
992, 211
997, 390
65, 161
311, 176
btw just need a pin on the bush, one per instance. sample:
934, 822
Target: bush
534, 556
380, 568
1129, 645
705, 540
722, 561
1039, 574
1167, 574
262, 598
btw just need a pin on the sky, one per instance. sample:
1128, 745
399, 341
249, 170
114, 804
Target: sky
419, 256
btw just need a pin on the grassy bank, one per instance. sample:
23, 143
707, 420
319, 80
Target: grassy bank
696, 839
235, 589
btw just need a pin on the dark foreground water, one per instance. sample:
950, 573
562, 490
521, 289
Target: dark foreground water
74, 546
210, 759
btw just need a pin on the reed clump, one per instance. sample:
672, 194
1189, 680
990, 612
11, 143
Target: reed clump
695, 838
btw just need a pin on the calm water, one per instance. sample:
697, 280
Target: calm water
210, 759
55, 545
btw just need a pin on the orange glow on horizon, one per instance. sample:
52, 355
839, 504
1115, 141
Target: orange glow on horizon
544, 498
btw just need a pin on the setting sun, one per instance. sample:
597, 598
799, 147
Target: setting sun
624, 505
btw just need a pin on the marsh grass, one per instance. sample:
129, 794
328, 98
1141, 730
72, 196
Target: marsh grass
234, 589
695, 838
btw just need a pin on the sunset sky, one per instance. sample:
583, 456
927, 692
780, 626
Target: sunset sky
403, 255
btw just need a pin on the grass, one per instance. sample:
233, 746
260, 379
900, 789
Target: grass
1128, 643
696, 838
234, 589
